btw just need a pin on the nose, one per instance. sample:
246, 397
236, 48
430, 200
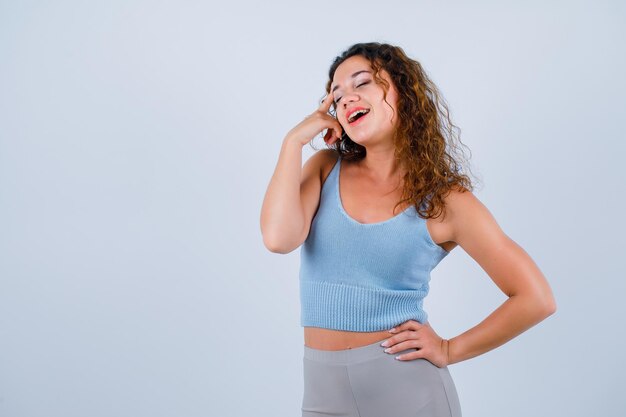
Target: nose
350, 97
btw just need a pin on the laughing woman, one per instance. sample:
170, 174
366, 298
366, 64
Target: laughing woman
375, 213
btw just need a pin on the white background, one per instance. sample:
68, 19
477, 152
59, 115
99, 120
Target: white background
137, 139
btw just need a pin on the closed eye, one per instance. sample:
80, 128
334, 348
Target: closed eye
362, 84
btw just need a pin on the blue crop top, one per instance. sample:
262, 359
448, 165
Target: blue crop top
364, 277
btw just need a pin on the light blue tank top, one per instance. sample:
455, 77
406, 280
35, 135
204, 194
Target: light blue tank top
364, 277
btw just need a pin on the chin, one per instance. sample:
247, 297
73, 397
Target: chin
360, 137
364, 139
359, 141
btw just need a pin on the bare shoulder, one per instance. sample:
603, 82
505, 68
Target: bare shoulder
327, 160
314, 173
459, 201
469, 220
319, 165
443, 228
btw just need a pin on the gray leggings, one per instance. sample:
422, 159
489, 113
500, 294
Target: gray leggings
367, 382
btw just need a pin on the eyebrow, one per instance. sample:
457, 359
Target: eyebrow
352, 76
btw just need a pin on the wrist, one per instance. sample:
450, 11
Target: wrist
445, 347
291, 140
452, 351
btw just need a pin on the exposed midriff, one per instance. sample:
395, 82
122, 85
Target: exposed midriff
329, 339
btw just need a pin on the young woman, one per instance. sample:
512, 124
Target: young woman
375, 213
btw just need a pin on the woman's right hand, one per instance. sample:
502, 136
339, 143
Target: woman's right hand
315, 123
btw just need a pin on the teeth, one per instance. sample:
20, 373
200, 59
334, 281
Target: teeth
356, 113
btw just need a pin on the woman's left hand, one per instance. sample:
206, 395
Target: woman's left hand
412, 334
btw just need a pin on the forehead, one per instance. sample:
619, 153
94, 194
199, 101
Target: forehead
348, 67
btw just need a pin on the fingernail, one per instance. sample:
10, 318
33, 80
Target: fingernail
385, 343
387, 350
392, 330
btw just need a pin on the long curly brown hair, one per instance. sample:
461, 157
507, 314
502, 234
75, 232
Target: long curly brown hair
426, 141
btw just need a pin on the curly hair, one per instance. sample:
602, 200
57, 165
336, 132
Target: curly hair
425, 140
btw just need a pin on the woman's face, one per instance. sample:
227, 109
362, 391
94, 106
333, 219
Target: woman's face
354, 88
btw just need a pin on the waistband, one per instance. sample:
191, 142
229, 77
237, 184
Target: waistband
346, 356
335, 305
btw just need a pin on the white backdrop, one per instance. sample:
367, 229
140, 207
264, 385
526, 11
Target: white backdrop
137, 139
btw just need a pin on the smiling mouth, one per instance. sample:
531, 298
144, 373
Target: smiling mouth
357, 115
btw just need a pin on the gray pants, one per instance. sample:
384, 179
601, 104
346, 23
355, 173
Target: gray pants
367, 382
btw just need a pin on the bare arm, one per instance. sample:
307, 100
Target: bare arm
471, 225
281, 214
511, 269
290, 196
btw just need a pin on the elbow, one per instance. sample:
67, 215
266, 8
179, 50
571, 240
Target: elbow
271, 240
277, 245
281, 241
272, 245
539, 306
546, 306
549, 306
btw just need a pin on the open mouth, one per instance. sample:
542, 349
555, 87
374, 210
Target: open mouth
357, 115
